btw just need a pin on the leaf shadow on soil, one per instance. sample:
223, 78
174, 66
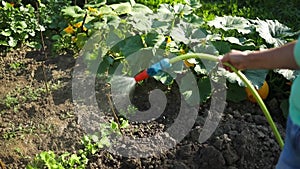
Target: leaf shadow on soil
61, 67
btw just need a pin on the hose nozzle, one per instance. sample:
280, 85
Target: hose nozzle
153, 70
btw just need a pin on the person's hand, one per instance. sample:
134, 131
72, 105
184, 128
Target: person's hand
237, 59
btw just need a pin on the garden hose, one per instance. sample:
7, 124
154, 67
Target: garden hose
166, 63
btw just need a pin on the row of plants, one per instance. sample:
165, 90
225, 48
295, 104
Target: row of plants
224, 33
177, 29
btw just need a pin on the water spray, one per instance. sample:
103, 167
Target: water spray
167, 63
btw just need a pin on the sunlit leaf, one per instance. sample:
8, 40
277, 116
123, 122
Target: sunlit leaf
139, 8
6, 32
122, 8
12, 42
73, 11
194, 3
226, 23
187, 33
182, 9
272, 31
288, 74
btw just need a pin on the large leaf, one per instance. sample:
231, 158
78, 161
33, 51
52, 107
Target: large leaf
73, 11
139, 8
235, 93
105, 10
154, 39
12, 42
194, 3
189, 89
122, 8
128, 45
182, 9
187, 33
222, 47
256, 77
204, 88
141, 22
226, 23
272, 31
288, 74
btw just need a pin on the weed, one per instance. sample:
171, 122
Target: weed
16, 65
10, 100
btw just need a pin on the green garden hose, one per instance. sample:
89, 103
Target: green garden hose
247, 83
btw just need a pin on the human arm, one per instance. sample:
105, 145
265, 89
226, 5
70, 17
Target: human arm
281, 57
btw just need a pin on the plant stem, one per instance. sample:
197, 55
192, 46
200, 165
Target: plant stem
114, 113
245, 80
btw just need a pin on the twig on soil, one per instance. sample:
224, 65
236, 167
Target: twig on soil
44, 51
114, 113
2, 165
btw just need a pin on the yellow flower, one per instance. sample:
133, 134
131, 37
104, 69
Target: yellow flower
169, 40
78, 24
69, 29
182, 51
92, 9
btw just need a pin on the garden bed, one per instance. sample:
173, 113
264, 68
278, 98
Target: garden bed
32, 121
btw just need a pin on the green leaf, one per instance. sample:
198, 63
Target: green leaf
73, 11
194, 3
189, 89
113, 125
257, 77
124, 123
22, 24
222, 47
130, 45
165, 8
288, 74
105, 10
140, 22
226, 23
3, 43
154, 39
122, 8
284, 106
140, 8
81, 39
104, 141
6, 32
12, 42
204, 88
74, 159
187, 33
235, 93
272, 31
95, 4
182, 9
56, 37
205, 48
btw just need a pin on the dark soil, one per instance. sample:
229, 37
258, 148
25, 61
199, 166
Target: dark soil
38, 121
